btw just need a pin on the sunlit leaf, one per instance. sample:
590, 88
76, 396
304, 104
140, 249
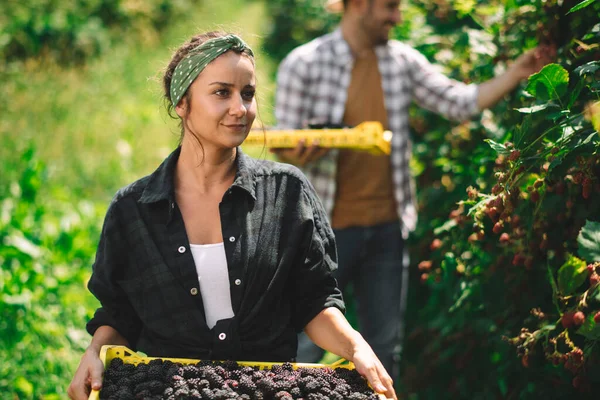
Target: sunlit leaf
497, 147
589, 241
588, 68
550, 83
581, 5
534, 109
571, 275
589, 329
24, 386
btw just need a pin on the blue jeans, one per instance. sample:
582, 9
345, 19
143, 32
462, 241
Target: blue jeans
372, 260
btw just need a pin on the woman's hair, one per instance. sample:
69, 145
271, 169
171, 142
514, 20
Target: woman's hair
179, 55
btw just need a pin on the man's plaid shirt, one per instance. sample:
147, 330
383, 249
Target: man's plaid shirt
312, 86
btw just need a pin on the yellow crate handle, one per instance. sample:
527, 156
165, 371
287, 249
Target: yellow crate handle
368, 136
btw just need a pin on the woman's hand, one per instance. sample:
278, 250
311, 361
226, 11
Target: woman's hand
368, 365
331, 331
88, 375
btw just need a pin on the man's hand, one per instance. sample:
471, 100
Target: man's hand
530, 62
301, 154
533, 61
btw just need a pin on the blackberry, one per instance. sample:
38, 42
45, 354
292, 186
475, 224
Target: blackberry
143, 368
144, 394
108, 391
155, 373
156, 387
287, 366
231, 365
357, 396
138, 378
246, 385
296, 392
123, 394
208, 394
155, 362
189, 371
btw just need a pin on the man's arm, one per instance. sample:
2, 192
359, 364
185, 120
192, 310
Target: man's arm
458, 101
492, 91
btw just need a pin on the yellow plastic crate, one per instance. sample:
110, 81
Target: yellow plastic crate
109, 352
368, 136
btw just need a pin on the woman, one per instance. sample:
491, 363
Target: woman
216, 255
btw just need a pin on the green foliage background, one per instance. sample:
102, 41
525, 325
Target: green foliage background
82, 116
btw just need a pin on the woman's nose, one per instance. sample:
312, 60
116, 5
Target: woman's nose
238, 108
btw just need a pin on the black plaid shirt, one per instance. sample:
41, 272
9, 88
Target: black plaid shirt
280, 254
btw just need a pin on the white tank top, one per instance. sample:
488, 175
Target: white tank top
213, 275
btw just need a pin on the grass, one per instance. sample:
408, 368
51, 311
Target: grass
103, 125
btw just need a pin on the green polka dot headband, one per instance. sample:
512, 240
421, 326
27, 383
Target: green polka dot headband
190, 66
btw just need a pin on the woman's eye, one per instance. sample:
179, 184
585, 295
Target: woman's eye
248, 95
222, 92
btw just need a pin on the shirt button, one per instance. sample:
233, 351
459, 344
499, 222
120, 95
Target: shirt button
181, 249
238, 282
194, 291
222, 336
231, 239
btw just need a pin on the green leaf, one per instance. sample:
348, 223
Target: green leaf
588, 68
589, 241
574, 94
448, 225
24, 386
498, 148
581, 5
534, 109
571, 275
550, 83
589, 329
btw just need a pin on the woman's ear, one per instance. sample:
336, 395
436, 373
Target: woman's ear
181, 107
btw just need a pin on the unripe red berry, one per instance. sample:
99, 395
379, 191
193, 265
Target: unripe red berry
534, 197
585, 192
435, 244
567, 320
498, 226
424, 277
578, 318
514, 155
473, 237
518, 259
425, 265
504, 238
597, 317
591, 269
594, 279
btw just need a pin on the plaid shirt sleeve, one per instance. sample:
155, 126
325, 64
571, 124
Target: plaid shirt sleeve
292, 102
116, 310
434, 91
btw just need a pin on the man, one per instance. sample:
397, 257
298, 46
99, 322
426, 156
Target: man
357, 74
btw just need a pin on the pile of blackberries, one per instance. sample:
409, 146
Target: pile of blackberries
215, 380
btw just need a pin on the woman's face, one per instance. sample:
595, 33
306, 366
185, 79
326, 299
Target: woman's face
222, 104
